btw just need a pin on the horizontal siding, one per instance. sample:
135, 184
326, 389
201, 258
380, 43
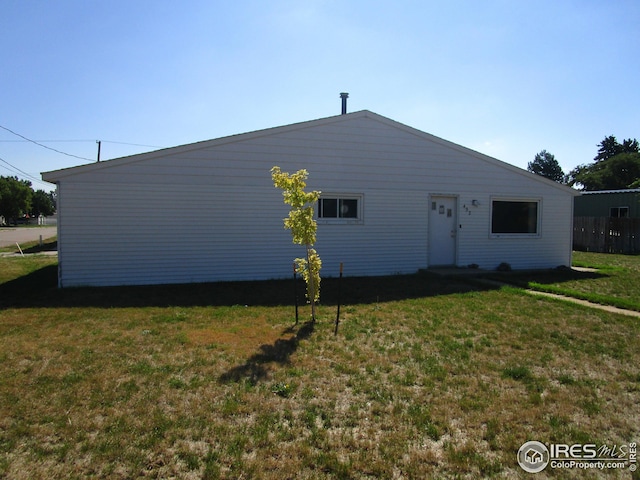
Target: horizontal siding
379, 162
550, 249
197, 236
143, 234
212, 213
391, 240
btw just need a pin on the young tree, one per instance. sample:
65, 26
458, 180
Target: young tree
546, 165
303, 227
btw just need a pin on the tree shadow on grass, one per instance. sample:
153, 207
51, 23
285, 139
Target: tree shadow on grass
255, 368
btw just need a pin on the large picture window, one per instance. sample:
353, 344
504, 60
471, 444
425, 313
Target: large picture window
345, 208
515, 217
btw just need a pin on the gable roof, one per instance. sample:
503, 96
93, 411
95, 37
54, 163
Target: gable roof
56, 175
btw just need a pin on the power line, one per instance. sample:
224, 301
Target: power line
80, 141
15, 169
10, 169
44, 146
46, 141
132, 144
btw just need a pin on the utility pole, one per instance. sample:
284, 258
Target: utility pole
99, 144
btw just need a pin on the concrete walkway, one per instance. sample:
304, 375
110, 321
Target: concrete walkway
606, 308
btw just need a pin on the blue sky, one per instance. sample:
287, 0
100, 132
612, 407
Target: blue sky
508, 78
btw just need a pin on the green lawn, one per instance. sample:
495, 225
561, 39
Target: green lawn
616, 280
427, 378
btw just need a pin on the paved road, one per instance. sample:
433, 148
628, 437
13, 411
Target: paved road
11, 235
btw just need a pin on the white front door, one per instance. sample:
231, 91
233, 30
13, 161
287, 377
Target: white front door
442, 231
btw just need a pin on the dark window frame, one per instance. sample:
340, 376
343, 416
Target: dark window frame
621, 212
340, 208
515, 217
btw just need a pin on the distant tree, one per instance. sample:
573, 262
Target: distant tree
616, 166
609, 147
618, 172
630, 146
546, 165
42, 203
15, 198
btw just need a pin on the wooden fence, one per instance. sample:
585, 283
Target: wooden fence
606, 235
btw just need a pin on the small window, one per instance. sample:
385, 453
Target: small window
328, 208
619, 212
339, 207
514, 217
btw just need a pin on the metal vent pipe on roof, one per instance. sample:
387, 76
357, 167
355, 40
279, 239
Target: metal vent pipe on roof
344, 97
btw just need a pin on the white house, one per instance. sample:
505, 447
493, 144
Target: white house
394, 200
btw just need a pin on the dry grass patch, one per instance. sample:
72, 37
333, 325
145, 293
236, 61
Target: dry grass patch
446, 382
242, 339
